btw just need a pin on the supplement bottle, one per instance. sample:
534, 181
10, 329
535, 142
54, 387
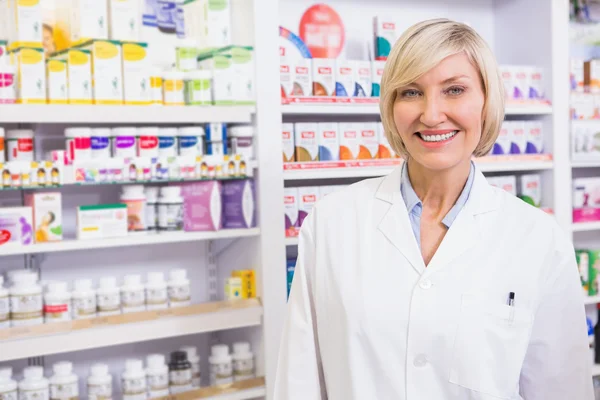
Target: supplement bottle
26, 305
134, 380
221, 369
34, 386
157, 376
135, 199
100, 143
19, 145
151, 194
2, 159
173, 93
64, 384
83, 299
194, 359
243, 362
191, 141
156, 86
99, 383
123, 142
78, 144
167, 142
147, 141
4, 306
186, 55
179, 288
170, 209
8, 387
157, 297
133, 297
241, 141
198, 88
180, 373
57, 303
108, 297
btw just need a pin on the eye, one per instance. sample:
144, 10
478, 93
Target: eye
455, 90
409, 93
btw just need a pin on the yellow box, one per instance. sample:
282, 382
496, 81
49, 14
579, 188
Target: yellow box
107, 71
79, 75
248, 282
136, 77
79, 21
56, 79
24, 20
31, 75
233, 289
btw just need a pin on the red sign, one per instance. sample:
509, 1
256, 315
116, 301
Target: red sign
302, 70
322, 30
4, 236
289, 200
309, 198
308, 135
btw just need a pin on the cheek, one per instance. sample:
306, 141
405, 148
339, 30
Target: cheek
404, 117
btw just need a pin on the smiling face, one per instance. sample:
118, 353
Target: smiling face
439, 116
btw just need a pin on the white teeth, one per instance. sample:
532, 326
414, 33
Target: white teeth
438, 138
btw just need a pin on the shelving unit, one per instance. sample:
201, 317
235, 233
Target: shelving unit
244, 390
585, 226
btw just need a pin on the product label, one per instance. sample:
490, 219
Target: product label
9, 395
25, 307
188, 145
243, 369
55, 312
170, 217
132, 298
99, 143
124, 146
156, 296
196, 375
158, 385
221, 374
134, 389
109, 302
136, 215
65, 391
37, 394
4, 308
84, 307
100, 392
147, 144
166, 142
180, 381
179, 294
151, 216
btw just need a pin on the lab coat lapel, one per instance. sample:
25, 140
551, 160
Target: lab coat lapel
395, 224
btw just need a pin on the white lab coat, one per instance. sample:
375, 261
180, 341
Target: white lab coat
368, 321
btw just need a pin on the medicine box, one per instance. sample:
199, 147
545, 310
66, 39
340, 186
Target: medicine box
79, 21
385, 150
31, 75
377, 67
208, 22
521, 82
239, 204
124, 20
307, 198
504, 140
101, 221
349, 140
344, 78
534, 137
329, 141
56, 81
385, 36
594, 272
16, 226
518, 137
24, 20
202, 206
591, 71
287, 136
291, 268
79, 75
302, 77
107, 71
47, 216
363, 79
507, 75
306, 142
242, 60
583, 264
221, 66
530, 189
136, 78
248, 282
536, 83
291, 203
323, 70
586, 199
369, 142
286, 77
577, 78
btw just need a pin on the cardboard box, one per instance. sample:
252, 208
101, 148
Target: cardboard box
306, 142
136, 78
534, 137
290, 201
221, 66
124, 20
344, 78
307, 198
202, 206
289, 149
369, 141
329, 141
208, 22
349, 140
248, 282
47, 216
323, 71
16, 226
385, 36
79, 21
79, 75
101, 221
591, 71
24, 19
530, 189
377, 68
363, 79
31, 75
239, 204
107, 71
56, 79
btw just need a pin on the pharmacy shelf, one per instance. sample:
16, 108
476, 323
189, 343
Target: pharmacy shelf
586, 164
127, 241
97, 114
291, 241
244, 390
592, 300
23, 342
585, 226
595, 369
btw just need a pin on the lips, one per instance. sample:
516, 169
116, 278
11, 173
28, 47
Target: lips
437, 136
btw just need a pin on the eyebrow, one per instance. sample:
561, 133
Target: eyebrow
456, 78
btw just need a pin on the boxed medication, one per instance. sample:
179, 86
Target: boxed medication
202, 206
349, 140
534, 137
385, 150
369, 142
307, 198
329, 141
504, 141
306, 142
518, 138
577, 78
344, 78
16, 226
24, 20
376, 74
530, 189
520, 82
594, 272
591, 73
286, 77
583, 264
136, 79
124, 20
221, 66
242, 65
79, 21
323, 77
107, 71
385, 36
208, 22
586, 199
302, 77
248, 282
79, 75
536, 83
289, 149
56, 81
291, 203
363, 79
507, 75
47, 216
239, 204
31, 75
101, 221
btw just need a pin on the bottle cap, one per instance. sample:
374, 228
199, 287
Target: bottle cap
19, 134
34, 372
108, 282
178, 274
133, 191
167, 132
134, 365
27, 278
101, 132
133, 280
191, 131
178, 356
156, 277
170, 191
63, 368
241, 131
5, 373
57, 287
148, 131
191, 351
241, 348
99, 369
220, 350
124, 131
78, 132
151, 193
155, 361
83, 285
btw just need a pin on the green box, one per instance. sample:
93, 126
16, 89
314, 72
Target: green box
583, 264
594, 274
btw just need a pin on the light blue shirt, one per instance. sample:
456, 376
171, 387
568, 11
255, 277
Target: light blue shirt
415, 206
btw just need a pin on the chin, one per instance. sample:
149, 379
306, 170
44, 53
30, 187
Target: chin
440, 161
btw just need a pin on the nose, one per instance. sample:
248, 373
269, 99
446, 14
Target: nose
433, 112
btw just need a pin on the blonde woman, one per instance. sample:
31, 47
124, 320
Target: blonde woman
430, 284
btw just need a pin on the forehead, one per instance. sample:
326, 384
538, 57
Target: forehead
455, 66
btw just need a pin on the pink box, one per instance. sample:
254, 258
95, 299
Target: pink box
202, 208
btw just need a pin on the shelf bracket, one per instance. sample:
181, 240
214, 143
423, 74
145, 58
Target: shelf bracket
36, 361
212, 281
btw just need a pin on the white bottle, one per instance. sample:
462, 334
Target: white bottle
157, 376
83, 299
109, 297
133, 297
8, 387
34, 386
221, 369
243, 362
194, 359
151, 193
134, 380
157, 297
57, 303
26, 305
99, 384
179, 288
4, 307
64, 383
170, 209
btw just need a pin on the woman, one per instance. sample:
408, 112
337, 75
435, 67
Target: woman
429, 284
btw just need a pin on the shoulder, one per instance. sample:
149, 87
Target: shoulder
359, 194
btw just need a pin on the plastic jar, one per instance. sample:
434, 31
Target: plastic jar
173, 93
4, 306
170, 209
198, 85
180, 373
221, 369
108, 297
133, 296
151, 193
19, 145
79, 146
191, 141
57, 303
241, 140
157, 297
147, 141
157, 376
100, 143
2, 158
186, 54
156, 86
26, 305
124, 142
83, 299
194, 359
243, 362
179, 288
8, 387
167, 142
135, 199
99, 383
8, 84
134, 380
64, 383
34, 386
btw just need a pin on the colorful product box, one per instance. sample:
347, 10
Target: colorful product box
586, 199
221, 66
24, 19
242, 61
577, 77
306, 142
286, 77
349, 140
363, 79
594, 273
291, 203
536, 83
329, 141
385, 150
206, 22
583, 264
534, 137
101, 221
248, 282
233, 288
369, 141
47, 216
239, 204
530, 189
504, 141
136, 79
307, 198
107, 71
79, 21
385, 36
323, 74
288, 142
521, 83
344, 78
56, 79
31, 80
506, 73
291, 268
202, 206
591, 71
16, 226
518, 137
124, 20
302, 77
377, 67
79, 75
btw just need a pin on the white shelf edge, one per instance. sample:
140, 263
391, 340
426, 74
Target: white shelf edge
128, 241
90, 114
591, 300
528, 110
595, 369
114, 335
585, 164
291, 241
585, 226
242, 395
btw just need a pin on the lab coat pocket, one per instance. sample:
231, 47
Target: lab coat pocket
490, 346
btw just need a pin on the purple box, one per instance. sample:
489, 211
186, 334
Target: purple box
201, 206
239, 204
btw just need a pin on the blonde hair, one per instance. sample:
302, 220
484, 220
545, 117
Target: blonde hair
421, 48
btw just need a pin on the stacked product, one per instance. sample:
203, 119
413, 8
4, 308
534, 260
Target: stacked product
241, 285
588, 262
586, 199
298, 203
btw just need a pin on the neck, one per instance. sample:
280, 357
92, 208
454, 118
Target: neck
438, 190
